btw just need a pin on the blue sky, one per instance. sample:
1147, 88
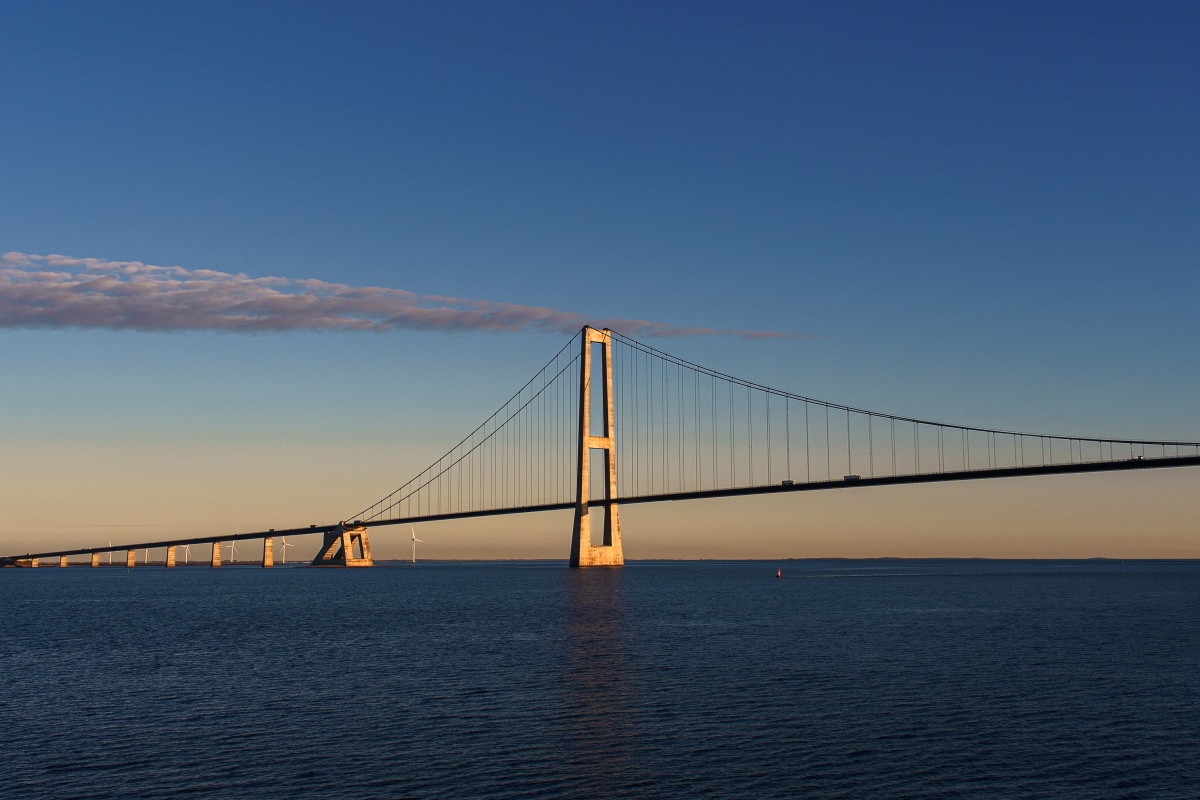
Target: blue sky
982, 212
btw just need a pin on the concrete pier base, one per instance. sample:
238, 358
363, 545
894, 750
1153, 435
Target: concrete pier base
216, 554
170, 556
268, 552
346, 545
130, 558
95, 559
33, 562
609, 553
62, 561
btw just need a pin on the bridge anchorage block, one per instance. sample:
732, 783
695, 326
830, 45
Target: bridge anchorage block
346, 545
609, 553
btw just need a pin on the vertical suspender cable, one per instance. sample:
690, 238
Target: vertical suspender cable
828, 447
668, 454
696, 411
767, 397
870, 447
807, 458
849, 464
712, 385
750, 434
681, 433
651, 469
732, 469
787, 429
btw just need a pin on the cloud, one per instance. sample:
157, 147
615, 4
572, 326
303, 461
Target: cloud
56, 291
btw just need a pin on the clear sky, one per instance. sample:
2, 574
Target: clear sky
984, 213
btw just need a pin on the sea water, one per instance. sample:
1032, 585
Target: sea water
846, 679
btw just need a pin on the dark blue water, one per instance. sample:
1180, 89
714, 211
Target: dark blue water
844, 679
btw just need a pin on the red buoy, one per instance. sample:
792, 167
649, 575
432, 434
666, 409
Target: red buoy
779, 572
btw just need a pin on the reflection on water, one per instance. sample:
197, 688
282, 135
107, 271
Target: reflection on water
596, 674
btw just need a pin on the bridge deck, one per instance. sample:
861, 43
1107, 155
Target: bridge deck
229, 537
779, 488
775, 488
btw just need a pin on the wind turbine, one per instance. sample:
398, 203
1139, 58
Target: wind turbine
187, 551
110, 552
414, 542
232, 551
284, 544
146, 556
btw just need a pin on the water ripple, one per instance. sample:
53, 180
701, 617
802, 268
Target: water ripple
924, 679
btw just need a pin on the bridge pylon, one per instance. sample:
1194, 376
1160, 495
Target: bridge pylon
339, 547
583, 552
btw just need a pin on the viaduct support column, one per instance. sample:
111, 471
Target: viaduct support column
130, 558
583, 552
95, 559
62, 561
170, 555
347, 545
268, 552
216, 554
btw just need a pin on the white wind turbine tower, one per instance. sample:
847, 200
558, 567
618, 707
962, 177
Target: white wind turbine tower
414, 542
232, 551
284, 544
187, 551
146, 556
110, 552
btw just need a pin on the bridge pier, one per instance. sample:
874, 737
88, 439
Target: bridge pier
33, 562
216, 555
583, 552
170, 556
95, 559
130, 558
62, 561
338, 549
268, 552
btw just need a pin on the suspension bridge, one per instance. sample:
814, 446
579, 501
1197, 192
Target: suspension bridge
611, 421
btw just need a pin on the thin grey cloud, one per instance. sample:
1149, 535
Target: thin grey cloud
55, 291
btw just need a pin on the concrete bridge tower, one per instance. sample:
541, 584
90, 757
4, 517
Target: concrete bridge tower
583, 552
